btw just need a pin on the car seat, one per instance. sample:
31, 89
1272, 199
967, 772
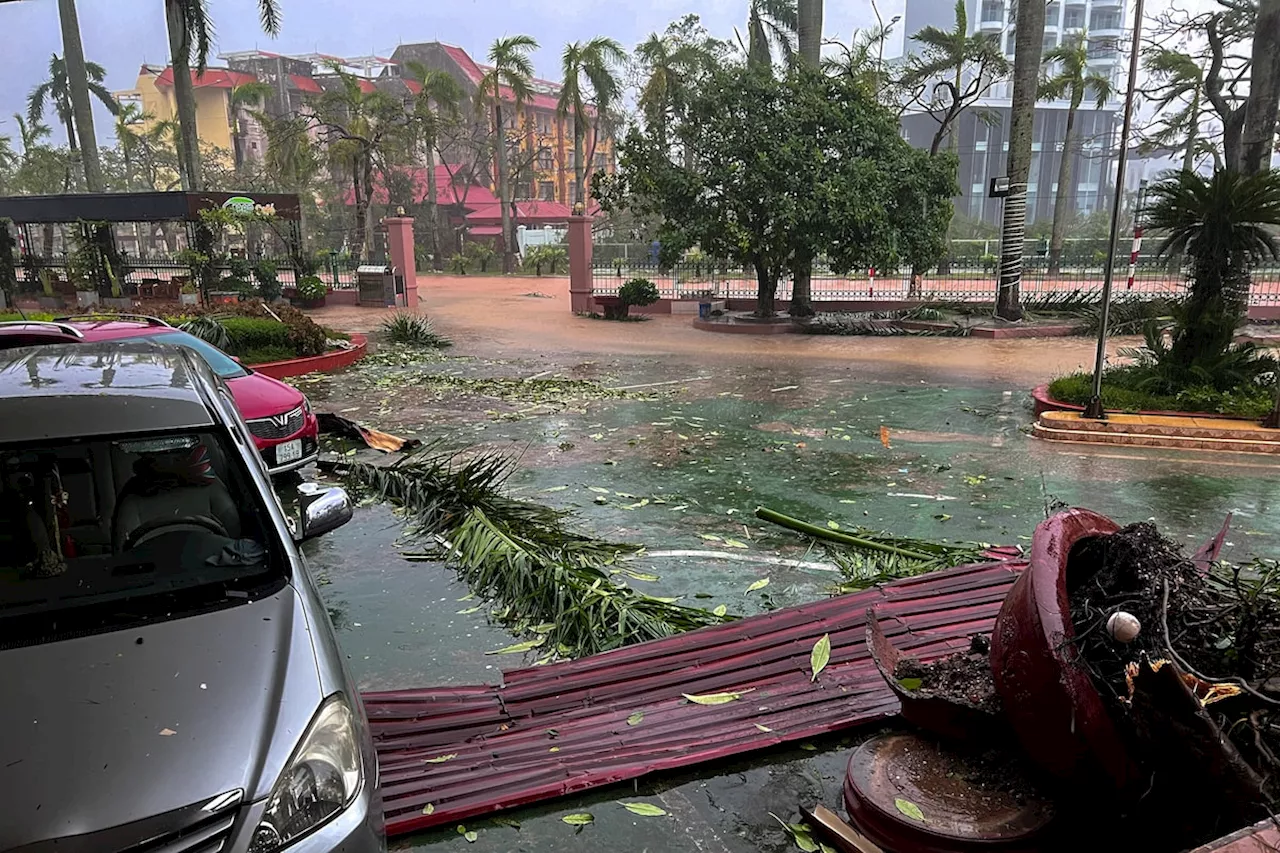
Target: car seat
174, 484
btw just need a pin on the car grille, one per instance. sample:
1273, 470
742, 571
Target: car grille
277, 426
211, 835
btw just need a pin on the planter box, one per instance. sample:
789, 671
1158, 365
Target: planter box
308, 304
86, 298
188, 299
119, 303
690, 306
49, 303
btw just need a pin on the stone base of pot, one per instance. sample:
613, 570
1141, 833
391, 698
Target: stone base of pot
118, 303
188, 299
86, 298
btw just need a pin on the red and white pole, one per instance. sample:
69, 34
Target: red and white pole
1133, 254
871, 283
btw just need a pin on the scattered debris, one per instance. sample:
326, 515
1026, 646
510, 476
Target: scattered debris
331, 424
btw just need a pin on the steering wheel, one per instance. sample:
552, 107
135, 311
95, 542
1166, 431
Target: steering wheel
155, 526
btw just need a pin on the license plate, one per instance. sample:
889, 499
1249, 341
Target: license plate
289, 451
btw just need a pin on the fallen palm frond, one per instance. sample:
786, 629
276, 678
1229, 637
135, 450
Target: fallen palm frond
542, 579
884, 324
867, 557
208, 327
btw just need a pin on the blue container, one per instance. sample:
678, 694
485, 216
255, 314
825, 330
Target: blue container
704, 310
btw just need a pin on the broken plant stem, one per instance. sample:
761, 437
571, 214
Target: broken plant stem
766, 514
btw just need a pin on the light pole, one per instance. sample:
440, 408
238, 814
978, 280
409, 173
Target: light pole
1094, 409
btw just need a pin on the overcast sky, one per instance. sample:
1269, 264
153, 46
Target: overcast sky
120, 35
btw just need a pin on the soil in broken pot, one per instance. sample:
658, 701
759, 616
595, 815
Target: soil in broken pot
1214, 626
964, 677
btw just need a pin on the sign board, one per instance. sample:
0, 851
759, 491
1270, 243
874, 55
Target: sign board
281, 205
999, 188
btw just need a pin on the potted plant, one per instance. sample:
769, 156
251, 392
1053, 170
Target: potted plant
311, 292
637, 291
189, 295
268, 282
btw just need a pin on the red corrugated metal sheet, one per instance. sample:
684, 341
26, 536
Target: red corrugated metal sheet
305, 84
549, 731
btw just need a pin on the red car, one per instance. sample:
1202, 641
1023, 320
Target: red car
279, 416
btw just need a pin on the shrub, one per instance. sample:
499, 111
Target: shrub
1123, 391
404, 327
481, 253
250, 331
549, 258
268, 282
310, 287
238, 277
638, 291
262, 355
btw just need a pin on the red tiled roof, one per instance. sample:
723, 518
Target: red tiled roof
475, 71
476, 196
212, 78
305, 84
485, 230
465, 61
527, 212
366, 85
413, 86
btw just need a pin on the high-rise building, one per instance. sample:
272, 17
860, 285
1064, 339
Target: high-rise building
982, 131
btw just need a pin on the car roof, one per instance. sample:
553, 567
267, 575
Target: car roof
103, 387
104, 327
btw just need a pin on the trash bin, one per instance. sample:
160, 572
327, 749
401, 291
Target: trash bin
704, 310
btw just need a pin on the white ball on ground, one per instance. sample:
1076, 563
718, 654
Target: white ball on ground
1123, 627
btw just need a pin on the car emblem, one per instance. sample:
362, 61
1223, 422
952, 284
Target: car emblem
281, 421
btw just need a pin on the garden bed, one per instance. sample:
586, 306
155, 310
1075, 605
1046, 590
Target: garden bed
1121, 392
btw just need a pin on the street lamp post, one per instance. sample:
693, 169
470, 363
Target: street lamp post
1094, 409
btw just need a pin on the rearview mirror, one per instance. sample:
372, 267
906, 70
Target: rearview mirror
323, 510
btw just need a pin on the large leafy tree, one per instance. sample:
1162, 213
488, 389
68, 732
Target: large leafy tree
770, 24
1028, 47
590, 88
508, 80
1177, 103
785, 169
190, 29
862, 61
437, 107
1073, 82
809, 32
367, 133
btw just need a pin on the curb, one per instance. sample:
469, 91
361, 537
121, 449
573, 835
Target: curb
335, 360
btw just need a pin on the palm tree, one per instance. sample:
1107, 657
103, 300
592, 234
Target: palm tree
596, 61
128, 138
1071, 83
1223, 224
861, 60
1180, 80
1022, 110
57, 91
769, 23
191, 31
672, 67
809, 31
508, 79
81, 83
29, 136
435, 105
246, 99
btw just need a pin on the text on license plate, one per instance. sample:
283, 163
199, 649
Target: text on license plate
289, 451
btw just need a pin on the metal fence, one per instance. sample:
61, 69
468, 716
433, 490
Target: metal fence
962, 282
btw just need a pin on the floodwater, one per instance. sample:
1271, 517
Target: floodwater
715, 432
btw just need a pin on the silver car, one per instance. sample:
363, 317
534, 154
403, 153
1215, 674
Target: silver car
171, 680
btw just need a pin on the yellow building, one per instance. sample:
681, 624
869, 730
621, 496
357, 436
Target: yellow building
218, 125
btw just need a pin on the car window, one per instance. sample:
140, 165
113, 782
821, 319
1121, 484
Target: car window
99, 533
222, 364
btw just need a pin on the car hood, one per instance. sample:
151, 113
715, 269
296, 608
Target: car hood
259, 396
103, 730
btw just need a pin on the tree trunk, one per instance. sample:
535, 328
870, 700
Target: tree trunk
578, 170
504, 195
78, 82
766, 289
809, 32
433, 212
758, 55
361, 235
1026, 77
1060, 212
1258, 135
367, 222
188, 138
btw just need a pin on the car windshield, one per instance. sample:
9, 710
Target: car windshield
100, 533
222, 364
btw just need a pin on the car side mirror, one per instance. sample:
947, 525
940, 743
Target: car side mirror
323, 510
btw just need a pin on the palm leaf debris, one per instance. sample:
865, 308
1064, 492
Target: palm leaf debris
867, 557
540, 577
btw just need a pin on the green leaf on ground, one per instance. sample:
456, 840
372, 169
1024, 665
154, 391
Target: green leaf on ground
760, 584
720, 610
909, 809
581, 819
808, 747
833, 525
710, 537
763, 728
554, 489
716, 698
910, 683
597, 490
644, 809
471, 835
429, 808
734, 543
441, 759
526, 646
469, 610
820, 656
634, 719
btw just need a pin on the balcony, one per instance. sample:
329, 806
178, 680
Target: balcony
991, 26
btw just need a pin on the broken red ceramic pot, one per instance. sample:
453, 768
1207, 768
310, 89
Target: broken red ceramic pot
948, 719
1054, 709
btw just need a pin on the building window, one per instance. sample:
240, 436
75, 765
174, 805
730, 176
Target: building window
1074, 18
602, 162
1010, 41
1050, 42
1103, 49
1104, 19
573, 191
993, 11
1051, 14
545, 161
547, 191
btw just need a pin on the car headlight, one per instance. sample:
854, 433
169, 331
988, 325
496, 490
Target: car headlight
320, 780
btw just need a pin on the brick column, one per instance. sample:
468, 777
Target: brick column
400, 248
580, 284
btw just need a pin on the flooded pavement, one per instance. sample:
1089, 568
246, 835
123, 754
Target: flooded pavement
675, 452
